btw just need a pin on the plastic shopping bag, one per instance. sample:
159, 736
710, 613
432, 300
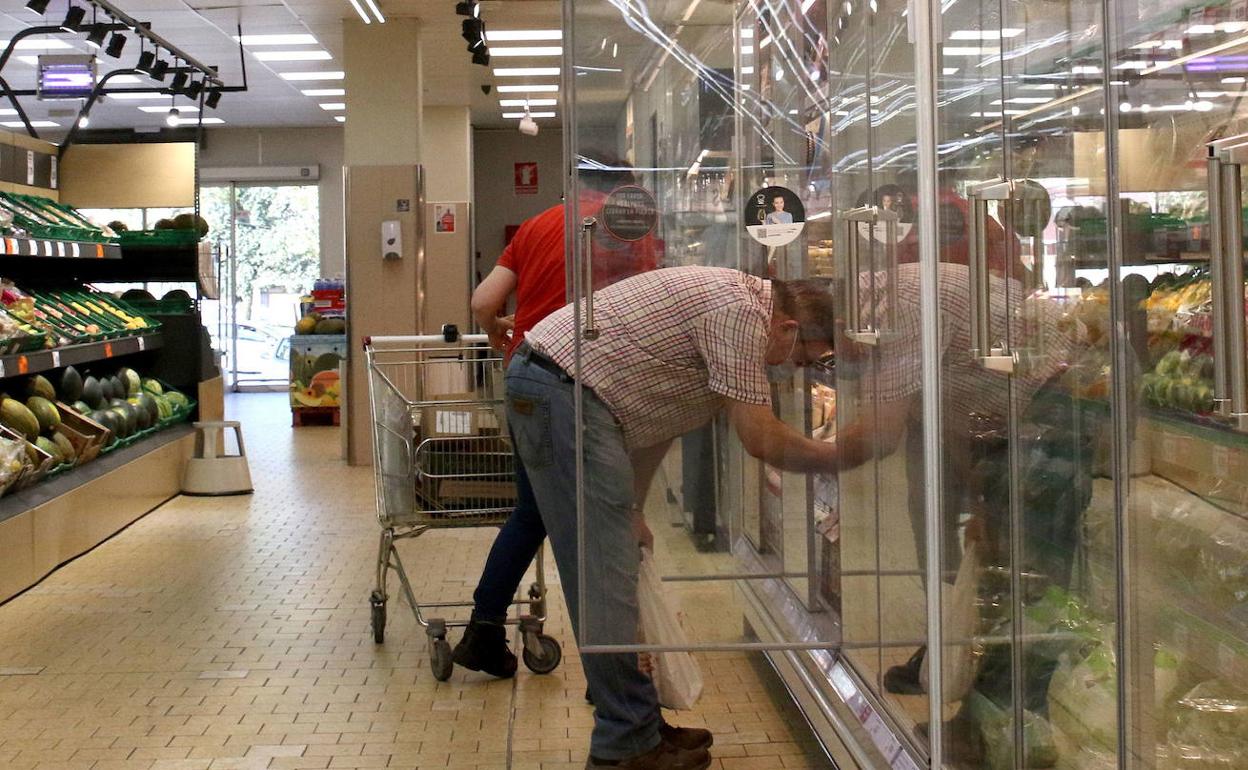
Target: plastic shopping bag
961, 621
676, 674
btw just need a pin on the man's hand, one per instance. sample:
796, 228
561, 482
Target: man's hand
500, 332
645, 538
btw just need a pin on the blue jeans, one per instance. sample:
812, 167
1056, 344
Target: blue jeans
514, 549
542, 416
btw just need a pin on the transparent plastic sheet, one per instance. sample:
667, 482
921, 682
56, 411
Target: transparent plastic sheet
1210, 729
677, 676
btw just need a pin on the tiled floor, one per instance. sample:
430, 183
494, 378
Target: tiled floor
222, 633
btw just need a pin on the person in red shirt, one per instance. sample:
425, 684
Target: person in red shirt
532, 269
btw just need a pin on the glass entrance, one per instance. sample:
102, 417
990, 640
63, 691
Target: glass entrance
269, 241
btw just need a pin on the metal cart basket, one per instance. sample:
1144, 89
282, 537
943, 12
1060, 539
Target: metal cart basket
442, 458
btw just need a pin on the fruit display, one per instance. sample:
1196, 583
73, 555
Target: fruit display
314, 377
52, 319
37, 217
315, 323
76, 419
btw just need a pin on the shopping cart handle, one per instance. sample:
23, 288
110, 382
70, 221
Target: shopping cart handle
424, 339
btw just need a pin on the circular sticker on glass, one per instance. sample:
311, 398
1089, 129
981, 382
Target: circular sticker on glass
630, 213
774, 216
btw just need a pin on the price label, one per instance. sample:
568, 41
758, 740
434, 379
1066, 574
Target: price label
56, 359
142, 344
108, 350
30, 167
881, 736
23, 365
34, 248
3, 373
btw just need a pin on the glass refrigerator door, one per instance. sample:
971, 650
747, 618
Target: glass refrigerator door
1180, 172
685, 120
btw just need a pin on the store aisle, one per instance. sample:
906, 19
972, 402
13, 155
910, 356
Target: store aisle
232, 633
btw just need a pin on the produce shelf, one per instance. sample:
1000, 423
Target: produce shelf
19, 364
51, 249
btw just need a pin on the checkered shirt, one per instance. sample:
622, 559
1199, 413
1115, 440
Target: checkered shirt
674, 343
970, 393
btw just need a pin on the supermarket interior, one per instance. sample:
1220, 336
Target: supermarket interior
255, 447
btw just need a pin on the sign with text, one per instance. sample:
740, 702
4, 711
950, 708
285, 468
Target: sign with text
526, 179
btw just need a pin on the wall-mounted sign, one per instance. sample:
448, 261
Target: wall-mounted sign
630, 213
774, 216
526, 179
444, 215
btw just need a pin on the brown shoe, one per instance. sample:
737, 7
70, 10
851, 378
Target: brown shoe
686, 738
665, 756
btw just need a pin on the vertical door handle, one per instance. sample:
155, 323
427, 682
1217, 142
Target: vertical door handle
588, 224
1217, 237
990, 355
1231, 296
868, 334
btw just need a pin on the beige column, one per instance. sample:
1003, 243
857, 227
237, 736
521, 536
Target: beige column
382, 151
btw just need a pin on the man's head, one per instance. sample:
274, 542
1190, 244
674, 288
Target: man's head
777, 203
803, 322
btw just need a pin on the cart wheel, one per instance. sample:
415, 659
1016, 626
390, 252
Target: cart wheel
378, 605
549, 660
440, 659
536, 592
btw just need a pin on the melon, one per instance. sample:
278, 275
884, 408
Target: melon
153, 387
66, 446
71, 385
147, 402
330, 326
45, 412
49, 446
130, 380
81, 407
177, 400
39, 386
143, 418
93, 392
16, 416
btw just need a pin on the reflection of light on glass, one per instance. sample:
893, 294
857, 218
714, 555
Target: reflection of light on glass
949, 70
1209, 94
688, 14
1135, 65
1147, 44
1172, 45
1232, 81
1125, 106
1026, 100
1203, 106
820, 215
1039, 87
1085, 69
985, 34
747, 33
792, 112
747, 50
747, 70
779, 73
815, 74
1202, 29
764, 42
615, 50
1074, 111
849, 8
806, 4
971, 51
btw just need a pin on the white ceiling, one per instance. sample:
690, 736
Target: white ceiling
205, 29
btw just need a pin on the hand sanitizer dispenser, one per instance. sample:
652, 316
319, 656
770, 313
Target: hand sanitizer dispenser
391, 240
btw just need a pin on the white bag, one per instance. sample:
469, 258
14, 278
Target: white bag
676, 674
959, 626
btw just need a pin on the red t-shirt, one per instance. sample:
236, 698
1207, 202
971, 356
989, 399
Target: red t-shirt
536, 256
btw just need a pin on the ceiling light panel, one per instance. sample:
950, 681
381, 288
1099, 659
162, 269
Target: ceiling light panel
526, 72
38, 43
33, 124
529, 50
324, 92
985, 34
292, 39
534, 88
520, 115
197, 121
529, 102
136, 95
292, 55
333, 106
337, 75
340, 118
522, 35
165, 110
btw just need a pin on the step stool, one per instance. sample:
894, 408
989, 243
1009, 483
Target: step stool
209, 472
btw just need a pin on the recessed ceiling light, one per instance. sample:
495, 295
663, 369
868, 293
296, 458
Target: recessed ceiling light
546, 88
136, 95
530, 102
339, 75
324, 92
292, 55
32, 43
193, 121
522, 72
121, 80
292, 39
333, 106
152, 108
520, 115
340, 118
518, 35
33, 124
529, 50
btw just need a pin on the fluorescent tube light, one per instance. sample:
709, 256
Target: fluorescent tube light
339, 75
292, 55
522, 35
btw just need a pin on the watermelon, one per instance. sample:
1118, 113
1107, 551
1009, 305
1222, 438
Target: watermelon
93, 392
71, 385
45, 412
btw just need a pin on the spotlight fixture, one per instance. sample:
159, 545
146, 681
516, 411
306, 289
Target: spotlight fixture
144, 64
159, 70
73, 17
115, 45
38, 7
172, 119
468, 8
95, 38
178, 82
481, 56
474, 33
213, 98
194, 89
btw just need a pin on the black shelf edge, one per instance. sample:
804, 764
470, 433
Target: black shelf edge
19, 364
50, 489
44, 248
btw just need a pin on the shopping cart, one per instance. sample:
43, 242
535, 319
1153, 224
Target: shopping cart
442, 459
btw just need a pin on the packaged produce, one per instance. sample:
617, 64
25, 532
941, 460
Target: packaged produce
1210, 728
1083, 697
997, 730
12, 461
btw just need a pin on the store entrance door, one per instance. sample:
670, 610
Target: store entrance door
268, 239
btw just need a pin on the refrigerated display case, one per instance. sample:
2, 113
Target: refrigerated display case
1032, 217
